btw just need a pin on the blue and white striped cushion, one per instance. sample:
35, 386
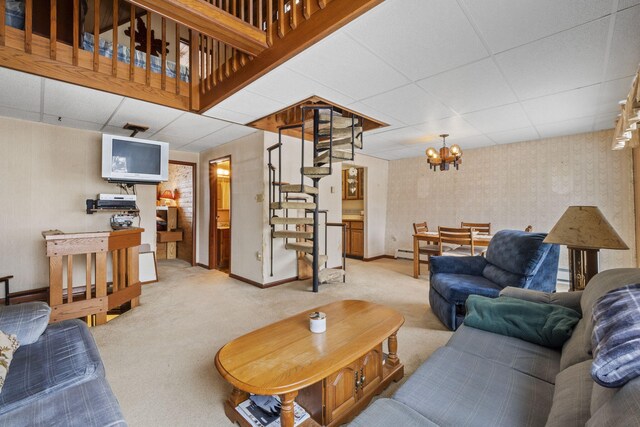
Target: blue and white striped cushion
616, 337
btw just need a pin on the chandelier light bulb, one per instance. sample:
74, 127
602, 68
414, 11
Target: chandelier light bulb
455, 149
431, 152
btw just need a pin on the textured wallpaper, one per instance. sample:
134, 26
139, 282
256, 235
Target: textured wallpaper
514, 185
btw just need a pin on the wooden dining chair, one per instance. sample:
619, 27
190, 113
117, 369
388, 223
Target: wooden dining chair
425, 249
529, 229
480, 227
463, 237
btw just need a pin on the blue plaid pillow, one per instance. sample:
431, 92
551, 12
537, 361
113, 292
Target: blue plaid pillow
616, 337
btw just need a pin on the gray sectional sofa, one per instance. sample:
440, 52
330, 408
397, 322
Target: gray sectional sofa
484, 379
56, 377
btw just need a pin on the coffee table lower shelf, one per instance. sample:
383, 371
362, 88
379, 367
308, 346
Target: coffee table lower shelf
309, 399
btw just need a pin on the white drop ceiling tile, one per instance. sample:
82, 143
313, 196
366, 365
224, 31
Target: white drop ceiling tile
379, 146
173, 140
20, 90
251, 104
497, 119
564, 61
420, 38
407, 135
474, 87
623, 4
528, 133
455, 126
409, 104
70, 123
612, 92
227, 134
289, 87
78, 102
624, 53
228, 115
605, 121
471, 142
145, 114
373, 113
346, 66
19, 114
190, 127
568, 127
505, 24
563, 106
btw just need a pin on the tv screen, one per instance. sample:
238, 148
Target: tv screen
135, 157
134, 160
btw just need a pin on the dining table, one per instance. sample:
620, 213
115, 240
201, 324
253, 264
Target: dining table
432, 237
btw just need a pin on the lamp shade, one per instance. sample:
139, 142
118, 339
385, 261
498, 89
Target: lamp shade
584, 227
167, 194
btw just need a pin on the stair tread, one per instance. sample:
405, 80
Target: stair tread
286, 220
292, 205
341, 132
329, 274
338, 122
297, 188
316, 172
300, 246
294, 234
341, 143
337, 156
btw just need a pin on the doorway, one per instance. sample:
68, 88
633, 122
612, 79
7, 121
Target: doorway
176, 213
353, 209
220, 214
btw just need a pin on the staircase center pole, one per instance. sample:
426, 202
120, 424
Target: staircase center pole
316, 199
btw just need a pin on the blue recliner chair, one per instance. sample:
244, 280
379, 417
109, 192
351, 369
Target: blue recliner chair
513, 258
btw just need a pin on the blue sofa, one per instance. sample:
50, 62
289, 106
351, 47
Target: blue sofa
56, 377
514, 258
485, 379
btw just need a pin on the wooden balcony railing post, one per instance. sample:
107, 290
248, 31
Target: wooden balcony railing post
96, 35
2, 23
69, 278
177, 50
53, 39
194, 81
281, 18
114, 54
101, 284
132, 42
88, 271
270, 22
148, 50
76, 31
306, 9
28, 25
163, 78
293, 15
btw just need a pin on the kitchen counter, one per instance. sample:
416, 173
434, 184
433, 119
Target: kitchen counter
353, 217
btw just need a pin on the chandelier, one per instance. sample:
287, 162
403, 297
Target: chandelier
445, 156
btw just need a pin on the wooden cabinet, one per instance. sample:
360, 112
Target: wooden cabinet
344, 389
354, 245
224, 254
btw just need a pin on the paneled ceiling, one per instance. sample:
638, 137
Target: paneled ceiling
485, 71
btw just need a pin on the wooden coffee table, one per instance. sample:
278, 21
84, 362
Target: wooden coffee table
333, 375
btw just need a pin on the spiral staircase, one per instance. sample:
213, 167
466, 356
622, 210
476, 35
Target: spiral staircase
294, 208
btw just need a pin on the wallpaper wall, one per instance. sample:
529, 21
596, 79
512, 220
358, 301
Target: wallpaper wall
515, 185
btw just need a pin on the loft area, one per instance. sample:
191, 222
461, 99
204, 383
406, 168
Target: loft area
292, 115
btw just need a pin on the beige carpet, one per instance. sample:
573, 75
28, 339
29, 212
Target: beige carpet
159, 357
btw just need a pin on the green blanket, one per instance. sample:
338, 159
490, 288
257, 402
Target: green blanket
544, 324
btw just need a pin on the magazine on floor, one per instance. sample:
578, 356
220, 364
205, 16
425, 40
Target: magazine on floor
268, 415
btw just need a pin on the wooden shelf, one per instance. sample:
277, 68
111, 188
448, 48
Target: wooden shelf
91, 211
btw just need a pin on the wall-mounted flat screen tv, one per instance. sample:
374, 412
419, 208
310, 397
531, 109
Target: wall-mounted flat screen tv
134, 160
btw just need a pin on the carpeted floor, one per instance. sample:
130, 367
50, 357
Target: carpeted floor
159, 357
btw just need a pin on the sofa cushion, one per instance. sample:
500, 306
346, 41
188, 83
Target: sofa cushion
566, 299
503, 277
572, 397
457, 388
64, 355
517, 252
543, 324
530, 359
455, 288
27, 321
601, 395
574, 350
621, 410
599, 285
389, 412
616, 337
89, 404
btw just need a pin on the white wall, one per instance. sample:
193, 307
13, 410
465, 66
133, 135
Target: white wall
247, 212
375, 209
515, 185
46, 173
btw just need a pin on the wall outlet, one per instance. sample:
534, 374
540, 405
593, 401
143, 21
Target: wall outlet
260, 198
333, 190
258, 256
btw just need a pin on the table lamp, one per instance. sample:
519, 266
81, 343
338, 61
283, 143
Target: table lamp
584, 230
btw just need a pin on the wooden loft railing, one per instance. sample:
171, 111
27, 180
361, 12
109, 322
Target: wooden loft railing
185, 54
96, 297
